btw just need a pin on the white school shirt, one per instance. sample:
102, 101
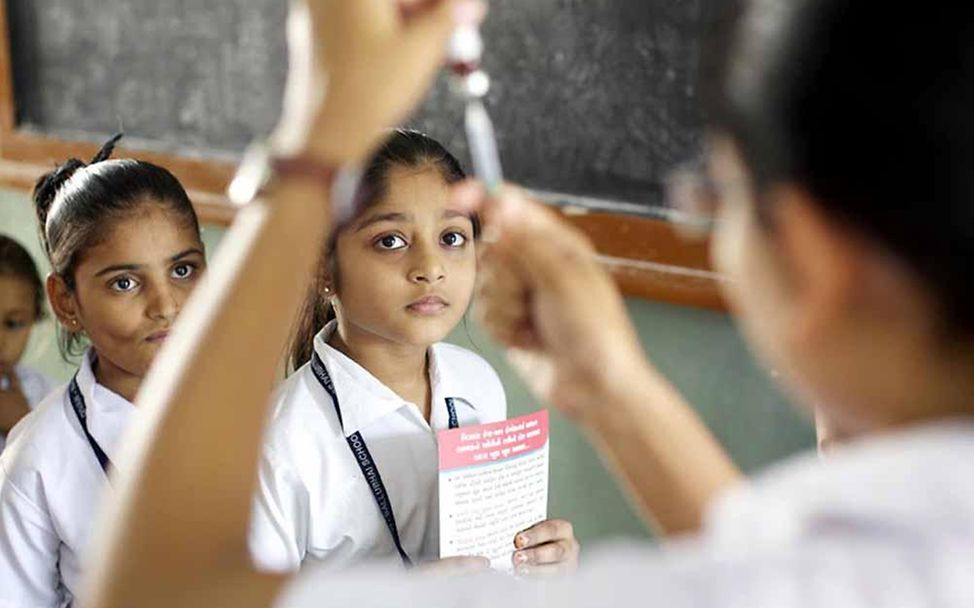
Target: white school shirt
35, 387
313, 503
50, 487
886, 523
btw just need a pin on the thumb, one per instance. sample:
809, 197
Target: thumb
536, 240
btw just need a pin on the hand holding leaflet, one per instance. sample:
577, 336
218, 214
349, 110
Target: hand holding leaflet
493, 485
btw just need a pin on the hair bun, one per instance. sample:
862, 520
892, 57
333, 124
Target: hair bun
48, 185
46, 189
106, 150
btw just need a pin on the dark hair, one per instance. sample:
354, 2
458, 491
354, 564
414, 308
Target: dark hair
875, 121
403, 148
15, 261
78, 204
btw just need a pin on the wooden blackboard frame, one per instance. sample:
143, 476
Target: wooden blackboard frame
646, 256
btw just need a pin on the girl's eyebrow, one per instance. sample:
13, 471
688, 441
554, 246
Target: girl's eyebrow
187, 253
116, 268
451, 213
383, 217
130, 267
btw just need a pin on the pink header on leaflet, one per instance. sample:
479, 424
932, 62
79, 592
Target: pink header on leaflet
487, 443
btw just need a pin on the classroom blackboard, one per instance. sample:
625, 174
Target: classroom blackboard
192, 77
593, 98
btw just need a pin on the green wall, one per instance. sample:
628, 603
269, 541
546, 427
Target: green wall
700, 351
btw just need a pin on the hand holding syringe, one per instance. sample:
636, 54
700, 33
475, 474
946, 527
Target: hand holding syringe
471, 83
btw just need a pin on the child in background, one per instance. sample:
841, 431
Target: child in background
21, 307
125, 252
394, 282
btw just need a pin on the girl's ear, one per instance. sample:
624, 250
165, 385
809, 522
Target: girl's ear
63, 303
327, 284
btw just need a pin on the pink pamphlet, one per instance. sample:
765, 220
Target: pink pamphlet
493, 484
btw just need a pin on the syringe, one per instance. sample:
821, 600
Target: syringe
471, 84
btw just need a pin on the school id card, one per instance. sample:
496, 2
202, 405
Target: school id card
493, 484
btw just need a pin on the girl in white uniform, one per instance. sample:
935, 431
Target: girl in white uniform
124, 247
372, 371
21, 307
848, 267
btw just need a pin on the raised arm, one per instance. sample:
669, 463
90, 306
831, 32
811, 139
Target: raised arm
177, 535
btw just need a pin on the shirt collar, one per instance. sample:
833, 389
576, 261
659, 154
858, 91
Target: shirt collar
107, 412
447, 380
364, 398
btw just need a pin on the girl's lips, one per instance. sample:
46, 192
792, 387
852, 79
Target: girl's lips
159, 336
429, 305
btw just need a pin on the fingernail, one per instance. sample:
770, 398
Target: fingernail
520, 558
521, 540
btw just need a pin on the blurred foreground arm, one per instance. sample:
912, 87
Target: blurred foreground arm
177, 533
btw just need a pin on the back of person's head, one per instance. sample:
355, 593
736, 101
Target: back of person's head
78, 204
870, 108
15, 262
403, 148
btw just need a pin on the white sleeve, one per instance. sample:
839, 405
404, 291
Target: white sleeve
36, 386
28, 550
830, 575
280, 516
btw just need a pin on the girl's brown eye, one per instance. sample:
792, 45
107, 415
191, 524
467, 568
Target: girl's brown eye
123, 284
183, 271
391, 242
454, 239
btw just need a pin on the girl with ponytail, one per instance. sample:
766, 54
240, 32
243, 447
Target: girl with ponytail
124, 246
371, 369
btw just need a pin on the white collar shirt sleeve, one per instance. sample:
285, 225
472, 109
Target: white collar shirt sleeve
50, 487
313, 504
35, 386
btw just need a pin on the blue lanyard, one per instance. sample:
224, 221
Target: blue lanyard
363, 457
78, 404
